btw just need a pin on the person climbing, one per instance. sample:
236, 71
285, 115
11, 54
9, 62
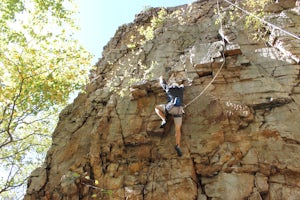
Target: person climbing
174, 107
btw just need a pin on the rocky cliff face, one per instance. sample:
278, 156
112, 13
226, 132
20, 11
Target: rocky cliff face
240, 139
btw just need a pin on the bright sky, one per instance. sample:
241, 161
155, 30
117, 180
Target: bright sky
99, 19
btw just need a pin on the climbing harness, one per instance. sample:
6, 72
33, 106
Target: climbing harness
224, 61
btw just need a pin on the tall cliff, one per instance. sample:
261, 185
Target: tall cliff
240, 139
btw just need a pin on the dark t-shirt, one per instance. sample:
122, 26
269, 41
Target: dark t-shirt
174, 93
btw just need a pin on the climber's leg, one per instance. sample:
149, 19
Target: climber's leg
160, 111
178, 123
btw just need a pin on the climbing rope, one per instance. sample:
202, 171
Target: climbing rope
202, 92
224, 61
264, 21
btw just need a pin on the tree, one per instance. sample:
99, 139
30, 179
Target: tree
41, 64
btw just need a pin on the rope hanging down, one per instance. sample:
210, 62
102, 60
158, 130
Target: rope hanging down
202, 92
264, 21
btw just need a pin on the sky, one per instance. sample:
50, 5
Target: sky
99, 19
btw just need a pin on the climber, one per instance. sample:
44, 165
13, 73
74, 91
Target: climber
174, 107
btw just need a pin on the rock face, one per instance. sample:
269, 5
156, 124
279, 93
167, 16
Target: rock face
240, 139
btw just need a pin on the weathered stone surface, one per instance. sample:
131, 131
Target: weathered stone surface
240, 139
38, 178
233, 186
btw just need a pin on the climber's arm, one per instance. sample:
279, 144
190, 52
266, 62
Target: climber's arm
185, 83
162, 83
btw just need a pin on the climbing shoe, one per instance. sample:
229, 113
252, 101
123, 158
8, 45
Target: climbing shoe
178, 150
163, 124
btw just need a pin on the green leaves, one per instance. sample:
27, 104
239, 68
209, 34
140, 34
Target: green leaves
41, 64
156, 22
251, 22
10, 7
